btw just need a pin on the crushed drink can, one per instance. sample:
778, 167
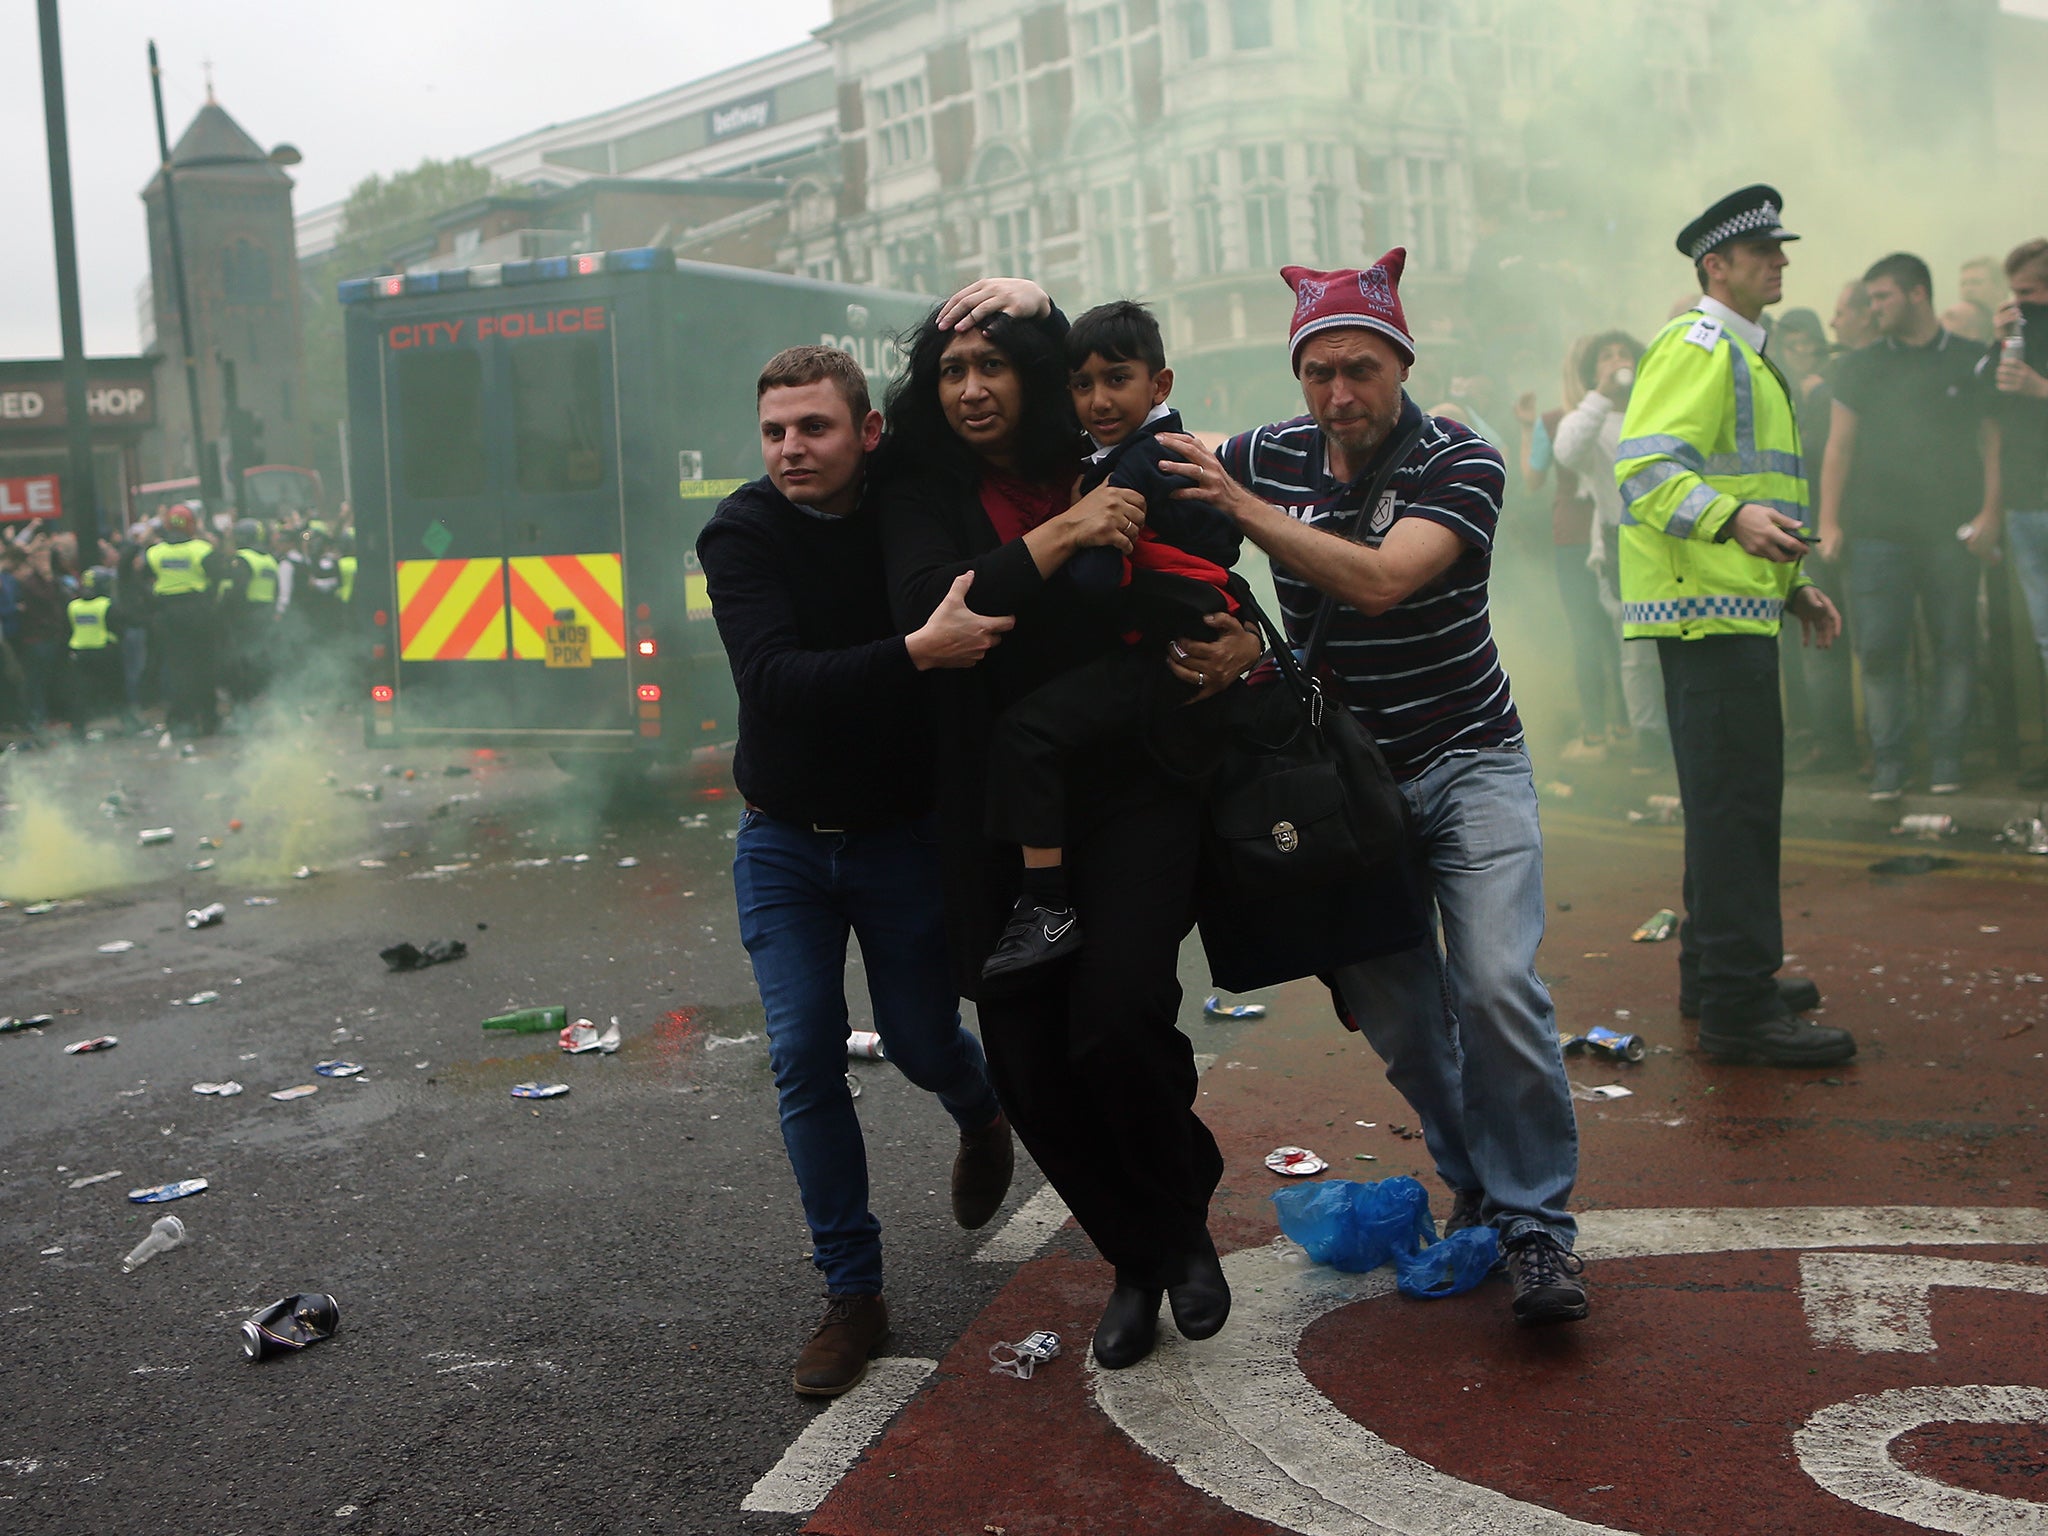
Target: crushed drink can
865, 1044
2029, 834
152, 837
1294, 1162
160, 1194
1929, 826
338, 1068
1025, 1356
286, 1095
96, 1043
582, 1037
1213, 1007
33, 1021
226, 1090
287, 1326
117, 946
209, 916
1610, 1043
1657, 927
539, 1090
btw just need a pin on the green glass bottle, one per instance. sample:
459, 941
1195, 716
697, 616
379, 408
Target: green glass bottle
531, 1021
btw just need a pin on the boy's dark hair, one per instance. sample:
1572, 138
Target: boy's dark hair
1589, 360
1047, 433
1122, 332
1908, 271
795, 366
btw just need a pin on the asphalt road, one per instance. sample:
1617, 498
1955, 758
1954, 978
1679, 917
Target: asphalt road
572, 1315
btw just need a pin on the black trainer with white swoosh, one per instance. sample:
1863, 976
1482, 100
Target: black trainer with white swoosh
1034, 936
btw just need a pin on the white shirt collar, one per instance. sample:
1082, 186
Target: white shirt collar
1748, 330
1157, 411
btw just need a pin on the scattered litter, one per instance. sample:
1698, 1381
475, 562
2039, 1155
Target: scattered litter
152, 837
582, 1037
1605, 1091
226, 1090
2029, 834
575, 858
539, 1090
450, 869
37, 909
2018, 1029
33, 1021
629, 863
1987, 927
1213, 1007
209, 842
412, 957
1363, 1157
289, 1325
365, 791
200, 866
699, 820
1025, 1356
235, 825
718, 1042
165, 1233
1294, 1162
338, 1068
1928, 826
1657, 927
865, 1044
1912, 864
1356, 1226
286, 1095
1664, 811
531, 863
95, 1178
212, 915
371, 864
117, 947
1610, 1043
1447, 1268
259, 901
397, 826
96, 1043
531, 1021
1557, 789
196, 1000
159, 1194
304, 872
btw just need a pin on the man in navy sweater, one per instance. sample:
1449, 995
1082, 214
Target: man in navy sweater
835, 764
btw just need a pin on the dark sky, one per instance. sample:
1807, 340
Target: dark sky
359, 88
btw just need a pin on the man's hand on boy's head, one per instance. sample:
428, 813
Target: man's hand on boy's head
978, 302
1207, 479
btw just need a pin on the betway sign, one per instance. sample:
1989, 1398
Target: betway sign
740, 117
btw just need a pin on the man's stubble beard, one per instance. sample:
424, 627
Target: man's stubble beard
1359, 437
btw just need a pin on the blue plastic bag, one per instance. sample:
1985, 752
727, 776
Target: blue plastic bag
1448, 1268
1355, 1226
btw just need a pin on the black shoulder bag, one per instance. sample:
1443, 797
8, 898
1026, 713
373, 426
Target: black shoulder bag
1306, 862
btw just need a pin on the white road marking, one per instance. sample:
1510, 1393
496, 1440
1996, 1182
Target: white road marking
1237, 1418
828, 1447
1877, 1303
1846, 1448
1028, 1230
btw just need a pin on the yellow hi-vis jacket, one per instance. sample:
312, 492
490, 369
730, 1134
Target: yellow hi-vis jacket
179, 569
1710, 426
262, 567
89, 623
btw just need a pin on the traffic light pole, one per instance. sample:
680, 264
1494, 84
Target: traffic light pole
81, 505
208, 462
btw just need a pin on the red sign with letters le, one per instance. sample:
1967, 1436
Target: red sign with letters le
30, 497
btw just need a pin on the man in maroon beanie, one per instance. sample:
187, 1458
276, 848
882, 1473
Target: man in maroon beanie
1465, 1026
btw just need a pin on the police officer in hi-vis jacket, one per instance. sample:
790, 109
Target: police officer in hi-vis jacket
1711, 541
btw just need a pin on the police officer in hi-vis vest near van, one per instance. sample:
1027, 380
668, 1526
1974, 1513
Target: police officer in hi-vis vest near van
1712, 535
183, 570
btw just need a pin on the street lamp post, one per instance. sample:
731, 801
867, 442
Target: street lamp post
207, 462
81, 510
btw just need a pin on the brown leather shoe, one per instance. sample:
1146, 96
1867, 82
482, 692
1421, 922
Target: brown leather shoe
981, 1172
851, 1333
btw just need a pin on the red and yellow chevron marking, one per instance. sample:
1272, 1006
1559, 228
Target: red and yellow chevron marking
451, 610
592, 585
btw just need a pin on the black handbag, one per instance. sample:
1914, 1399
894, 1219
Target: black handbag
1307, 864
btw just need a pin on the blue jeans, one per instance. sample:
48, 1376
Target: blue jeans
1885, 580
800, 893
134, 658
2026, 535
1466, 1028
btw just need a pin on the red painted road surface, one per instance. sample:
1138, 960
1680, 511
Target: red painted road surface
1675, 1408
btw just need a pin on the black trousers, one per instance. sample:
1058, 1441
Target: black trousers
189, 637
1728, 737
1097, 1080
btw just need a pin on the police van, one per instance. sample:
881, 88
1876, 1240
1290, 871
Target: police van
534, 447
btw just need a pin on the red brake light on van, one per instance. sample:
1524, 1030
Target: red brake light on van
644, 647
380, 618
648, 693
383, 693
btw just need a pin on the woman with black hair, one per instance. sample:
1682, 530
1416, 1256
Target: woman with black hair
1097, 1079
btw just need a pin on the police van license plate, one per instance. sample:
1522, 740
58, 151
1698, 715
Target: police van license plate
568, 645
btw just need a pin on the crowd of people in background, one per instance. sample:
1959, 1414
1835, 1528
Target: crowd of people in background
180, 609
1924, 436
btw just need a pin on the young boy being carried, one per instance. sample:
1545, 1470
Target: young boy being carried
1176, 576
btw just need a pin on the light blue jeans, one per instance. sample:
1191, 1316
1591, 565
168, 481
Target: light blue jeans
2026, 535
1465, 1025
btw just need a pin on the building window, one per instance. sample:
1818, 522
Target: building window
245, 273
1002, 91
1375, 180
1010, 248
914, 263
1251, 24
1208, 214
1262, 172
1408, 36
1427, 200
824, 270
897, 111
1099, 40
1194, 29
1113, 219
1322, 203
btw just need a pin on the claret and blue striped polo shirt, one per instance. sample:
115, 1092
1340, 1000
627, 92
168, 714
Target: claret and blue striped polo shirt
1423, 677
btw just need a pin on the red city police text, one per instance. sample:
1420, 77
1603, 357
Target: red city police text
512, 325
